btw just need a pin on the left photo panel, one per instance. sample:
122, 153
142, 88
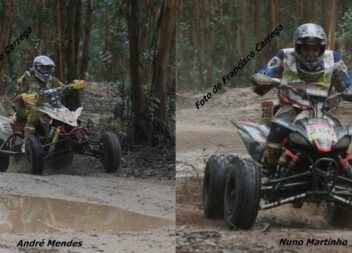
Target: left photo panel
87, 126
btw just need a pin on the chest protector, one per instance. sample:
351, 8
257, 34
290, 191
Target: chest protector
291, 74
28, 83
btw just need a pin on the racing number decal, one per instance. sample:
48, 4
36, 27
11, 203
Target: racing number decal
317, 131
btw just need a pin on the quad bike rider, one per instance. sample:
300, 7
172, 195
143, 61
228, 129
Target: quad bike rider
43, 129
38, 78
310, 62
302, 154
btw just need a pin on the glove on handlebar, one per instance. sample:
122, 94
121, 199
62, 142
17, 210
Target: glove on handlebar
261, 84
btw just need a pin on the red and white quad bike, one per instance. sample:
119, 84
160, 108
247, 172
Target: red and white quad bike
314, 165
59, 134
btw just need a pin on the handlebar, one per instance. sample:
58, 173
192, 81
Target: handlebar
288, 87
51, 95
76, 85
313, 96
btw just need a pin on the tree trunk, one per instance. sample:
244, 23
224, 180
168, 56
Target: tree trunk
9, 11
242, 30
197, 43
64, 18
76, 37
307, 11
72, 100
231, 44
39, 28
222, 56
136, 86
86, 42
327, 11
273, 23
70, 40
317, 12
332, 24
161, 60
257, 29
104, 71
209, 44
57, 30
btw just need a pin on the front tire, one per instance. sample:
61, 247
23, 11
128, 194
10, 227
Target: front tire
214, 185
34, 155
4, 160
242, 194
111, 152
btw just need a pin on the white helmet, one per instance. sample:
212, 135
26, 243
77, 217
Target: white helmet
310, 67
43, 67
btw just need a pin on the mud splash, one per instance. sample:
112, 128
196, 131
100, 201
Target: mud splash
22, 214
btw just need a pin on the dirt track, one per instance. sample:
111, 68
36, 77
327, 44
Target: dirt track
86, 182
208, 131
138, 190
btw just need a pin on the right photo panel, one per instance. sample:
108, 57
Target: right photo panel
264, 126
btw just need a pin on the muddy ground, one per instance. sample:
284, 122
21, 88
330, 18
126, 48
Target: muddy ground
150, 197
143, 190
201, 133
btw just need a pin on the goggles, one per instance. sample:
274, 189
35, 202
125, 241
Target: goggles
45, 69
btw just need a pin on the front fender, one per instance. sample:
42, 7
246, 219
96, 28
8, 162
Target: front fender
292, 127
78, 112
254, 138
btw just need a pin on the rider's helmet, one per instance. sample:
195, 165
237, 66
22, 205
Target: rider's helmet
43, 67
310, 36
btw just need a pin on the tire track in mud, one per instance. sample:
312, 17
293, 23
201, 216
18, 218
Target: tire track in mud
200, 134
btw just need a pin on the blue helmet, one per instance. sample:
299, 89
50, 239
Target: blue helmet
43, 67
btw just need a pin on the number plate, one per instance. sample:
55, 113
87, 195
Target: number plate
318, 131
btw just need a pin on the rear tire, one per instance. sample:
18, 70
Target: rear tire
242, 194
111, 155
34, 155
214, 185
4, 160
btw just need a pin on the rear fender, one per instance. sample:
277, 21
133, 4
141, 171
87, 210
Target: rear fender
254, 137
5, 128
78, 112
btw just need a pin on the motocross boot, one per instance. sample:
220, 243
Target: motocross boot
32, 121
271, 155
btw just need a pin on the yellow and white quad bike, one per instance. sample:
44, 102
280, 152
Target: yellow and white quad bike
59, 133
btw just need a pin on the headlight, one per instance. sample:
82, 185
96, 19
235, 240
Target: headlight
296, 138
343, 142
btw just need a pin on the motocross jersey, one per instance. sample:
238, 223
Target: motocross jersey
28, 83
283, 66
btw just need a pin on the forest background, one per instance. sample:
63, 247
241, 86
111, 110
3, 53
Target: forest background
128, 44
214, 34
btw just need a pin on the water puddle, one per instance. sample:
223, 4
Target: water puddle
21, 214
